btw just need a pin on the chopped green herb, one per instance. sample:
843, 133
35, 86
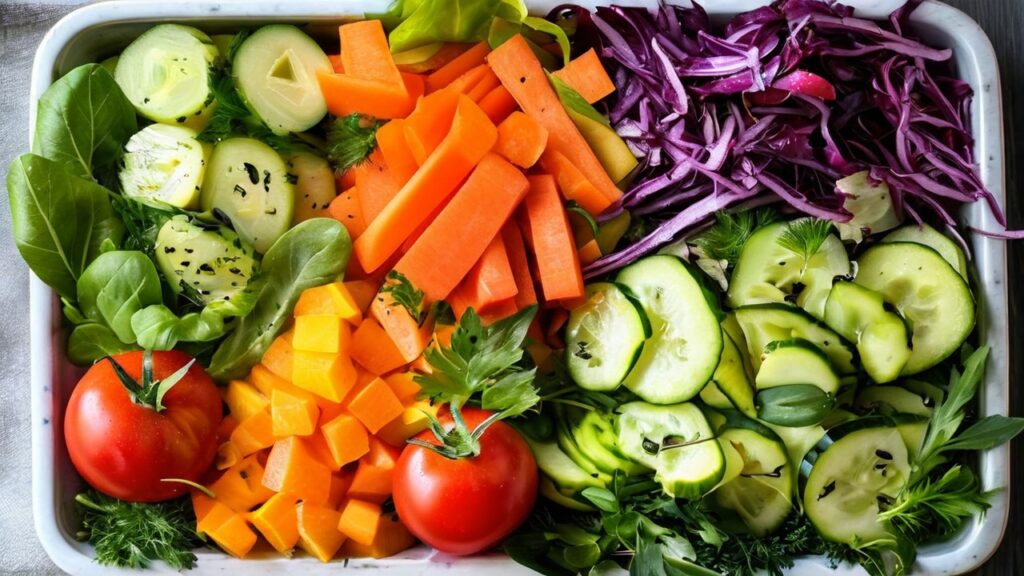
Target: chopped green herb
726, 238
805, 236
350, 140
404, 294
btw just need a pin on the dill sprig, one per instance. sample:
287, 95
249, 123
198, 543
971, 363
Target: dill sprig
805, 236
350, 140
726, 238
134, 534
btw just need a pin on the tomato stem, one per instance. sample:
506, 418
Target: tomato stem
195, 485
458, 442
149, 393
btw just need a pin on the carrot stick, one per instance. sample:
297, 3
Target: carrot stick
525, 293
430, 122
490, 281
444, 55
346, 94
471, 137
521, 140
521, 74
484, 86
395, 150
463, 84
498, 104
450, 247
572, 183
365, 53
586, 75
348, 210
377, 185
457, 67
558, 265
336, 64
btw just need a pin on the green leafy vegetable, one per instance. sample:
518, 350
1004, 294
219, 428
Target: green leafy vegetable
312, 253
805, 236
83, 122
726, 238
142, 222
132, 534
350, 140
60, 221
485, 360
938, 507
91, 341
158, 328
414, 23
115, 286
404, 294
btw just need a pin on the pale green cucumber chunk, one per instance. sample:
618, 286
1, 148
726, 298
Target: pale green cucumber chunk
164, 164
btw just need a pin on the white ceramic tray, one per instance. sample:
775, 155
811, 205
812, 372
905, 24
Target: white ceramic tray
97, 31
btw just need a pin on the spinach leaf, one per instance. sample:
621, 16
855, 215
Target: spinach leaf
142, 222
311, 254
92, 341
83, 122
117, 285
60, 221
418, 22
159, 328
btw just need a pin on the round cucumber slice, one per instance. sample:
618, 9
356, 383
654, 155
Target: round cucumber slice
165, 73
681, 356
763, 324
859, 315
932, 238
796, 361
248, 183
677, 442
604, 337
165, 164
890, 400
929, 294
209, 263
766, 272
762, 494
275, 70
314, 186
731, 378
848, 479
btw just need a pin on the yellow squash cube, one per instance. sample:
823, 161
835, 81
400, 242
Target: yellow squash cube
244, 400
329, 376
322, 333
332, 299
294, 412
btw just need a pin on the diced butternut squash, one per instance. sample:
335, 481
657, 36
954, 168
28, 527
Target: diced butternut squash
227, 528
403, 385
373, 349
409, 334
318, 530
293, 414
203, 506
331, 410
341, 481
392, 537
414, 419
329, 376
375, 405
372, 483
279, 355
244, 400
327, 334
359, 521
318, 446
381, 454
362, 293
253, 434
346, 438
293, 468
278, 522
333, 299
265, 381
241, 486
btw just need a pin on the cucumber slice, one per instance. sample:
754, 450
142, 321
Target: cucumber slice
567, 443
888, 400
681, 356
912, 429
859, 315
165, 164
796, 361
314, 186
712, 395
548, 490
762, 494
799, 440
210, 263
927, 291
275, 71
731, 379
932, 238
763, 324
165, 73
849, 479
677, 442
768, 273
248, 182
566, 475
594, 434
604, 337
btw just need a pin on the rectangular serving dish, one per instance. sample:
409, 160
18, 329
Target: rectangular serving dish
100, 30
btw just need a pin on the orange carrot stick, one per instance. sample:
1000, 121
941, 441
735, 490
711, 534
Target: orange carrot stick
586, 75
457, 67
558, 265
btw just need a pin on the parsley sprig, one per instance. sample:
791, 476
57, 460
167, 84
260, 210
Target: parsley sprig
405, 294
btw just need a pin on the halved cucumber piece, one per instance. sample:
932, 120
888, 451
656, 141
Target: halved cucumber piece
796, 361
248, 182
677, 442
859, 315
851, 477
913, 430
798, 439
566, 475
889, 400
932, 238
762, 494
567, 442
681, 356
208, 262
712, 395
763, 324
165, 73
275, 72
604, 337
594, 433
766, 272
165, 164
314, 186
731, 378
929, 294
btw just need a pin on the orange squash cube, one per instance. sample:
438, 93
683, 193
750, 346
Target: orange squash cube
359, 521
265, 381
318, 446
341, 481
244, 400
321, 333
241, 486
346, 438
362, 292
391, 538
329, 376
374, 350
293, 468
225, 527
403, 385
227, 456
278, 522
253, 434
375, 405
381, 454
278, 357
409, 334
371, 483
318, 530
331, 299
413, 420
293, 414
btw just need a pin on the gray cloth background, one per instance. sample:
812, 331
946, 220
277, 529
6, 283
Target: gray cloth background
22, 25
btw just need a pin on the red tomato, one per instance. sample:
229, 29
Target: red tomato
125, 449
470, 504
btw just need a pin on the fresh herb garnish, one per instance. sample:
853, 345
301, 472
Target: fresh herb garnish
804, 237
726, 238
350, 140
405, 294
134, 534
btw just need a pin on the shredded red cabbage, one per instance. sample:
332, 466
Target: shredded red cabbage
773, 108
